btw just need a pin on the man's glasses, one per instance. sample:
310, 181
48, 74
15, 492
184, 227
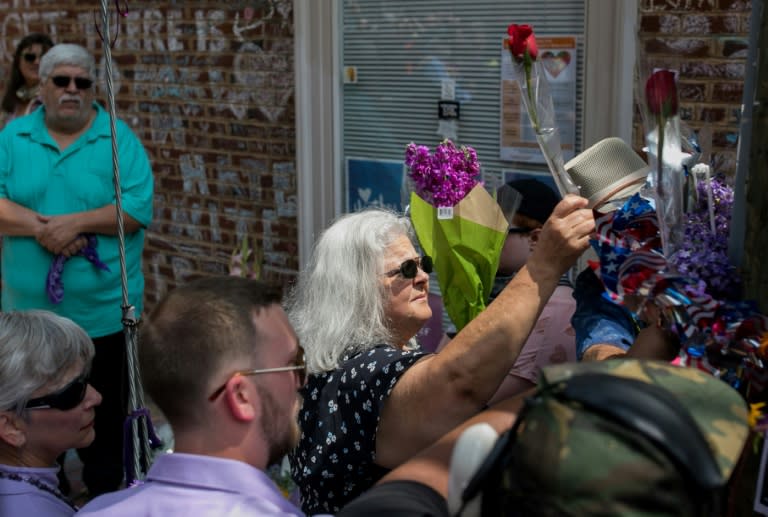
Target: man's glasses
63, 81
513, 231
300, 368
66, 398
410, 268
31, 57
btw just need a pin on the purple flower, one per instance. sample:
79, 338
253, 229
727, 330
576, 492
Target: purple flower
703, 254
447, 176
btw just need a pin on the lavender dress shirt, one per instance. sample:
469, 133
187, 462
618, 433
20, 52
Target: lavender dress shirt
187, 485
24, 499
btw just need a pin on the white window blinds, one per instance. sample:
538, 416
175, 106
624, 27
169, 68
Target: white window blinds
403, 49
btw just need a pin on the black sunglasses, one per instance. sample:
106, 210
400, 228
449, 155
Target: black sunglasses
299, 366
30, 57
410, 268
63, 81
513, 231
66, 398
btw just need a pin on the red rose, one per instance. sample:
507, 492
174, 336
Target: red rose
661, 93
521, 39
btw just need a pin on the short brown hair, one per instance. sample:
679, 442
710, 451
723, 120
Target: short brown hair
196, 328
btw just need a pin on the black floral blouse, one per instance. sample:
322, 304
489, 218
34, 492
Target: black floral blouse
334, 461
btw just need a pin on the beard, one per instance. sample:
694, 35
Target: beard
281, 430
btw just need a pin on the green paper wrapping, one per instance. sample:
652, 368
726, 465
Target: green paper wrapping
465, 250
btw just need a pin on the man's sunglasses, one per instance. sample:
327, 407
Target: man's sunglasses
66, 398
300, 367
410, 268
513, 231
63, 81
31, 57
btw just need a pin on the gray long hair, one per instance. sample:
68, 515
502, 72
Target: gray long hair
337, 304
66, 54
36, 348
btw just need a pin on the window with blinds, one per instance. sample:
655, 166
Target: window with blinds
402, 50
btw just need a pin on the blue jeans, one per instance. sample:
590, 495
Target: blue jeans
597, 319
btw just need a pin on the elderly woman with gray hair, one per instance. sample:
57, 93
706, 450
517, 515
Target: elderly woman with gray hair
373, 399
46, 407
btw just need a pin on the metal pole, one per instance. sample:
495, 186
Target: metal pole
739, 214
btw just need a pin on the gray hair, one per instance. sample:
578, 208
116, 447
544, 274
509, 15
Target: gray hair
36, 347
337, 305
67, 54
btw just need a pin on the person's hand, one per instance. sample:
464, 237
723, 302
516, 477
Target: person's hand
654, 341
564, 236
59, 233
75, 246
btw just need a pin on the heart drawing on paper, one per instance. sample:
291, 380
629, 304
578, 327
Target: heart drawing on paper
364, 193
553, 63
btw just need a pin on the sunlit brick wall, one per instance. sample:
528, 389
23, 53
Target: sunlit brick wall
208, 86
706, 41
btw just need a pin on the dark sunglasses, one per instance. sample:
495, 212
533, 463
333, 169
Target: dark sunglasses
513, 231
31, 57
299, 366
66, 398
410, 268
63, 81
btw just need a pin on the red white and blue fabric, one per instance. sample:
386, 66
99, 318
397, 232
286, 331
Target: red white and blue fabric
720, 337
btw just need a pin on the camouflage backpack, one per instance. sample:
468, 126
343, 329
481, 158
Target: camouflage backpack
619, 437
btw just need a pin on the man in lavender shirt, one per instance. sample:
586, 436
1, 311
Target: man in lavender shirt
221, 361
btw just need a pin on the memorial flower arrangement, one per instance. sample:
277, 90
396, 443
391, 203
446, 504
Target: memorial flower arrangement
703, 251
695, 290
457, 223
530, 76
664, 143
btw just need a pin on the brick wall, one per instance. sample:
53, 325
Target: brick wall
706, 41
208, 86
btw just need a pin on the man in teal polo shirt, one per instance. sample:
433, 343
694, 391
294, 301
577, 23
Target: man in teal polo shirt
60, 245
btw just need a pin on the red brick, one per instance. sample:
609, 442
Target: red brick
686, 113
712, 114
712, 70
692, 92
734, 5
682, 47
733, 48
727, 92
664, 23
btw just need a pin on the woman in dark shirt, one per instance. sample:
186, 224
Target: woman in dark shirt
373, 399
22, 87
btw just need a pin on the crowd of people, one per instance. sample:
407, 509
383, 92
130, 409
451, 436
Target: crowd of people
60, 249
332, 376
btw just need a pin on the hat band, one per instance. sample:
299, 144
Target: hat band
605, 194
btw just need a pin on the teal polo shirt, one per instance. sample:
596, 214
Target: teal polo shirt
34, 173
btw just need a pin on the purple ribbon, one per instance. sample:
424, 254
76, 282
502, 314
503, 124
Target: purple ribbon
131, 476
54, 287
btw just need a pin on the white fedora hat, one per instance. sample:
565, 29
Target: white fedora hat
608, 171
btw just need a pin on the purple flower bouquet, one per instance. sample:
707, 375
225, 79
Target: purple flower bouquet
458, 224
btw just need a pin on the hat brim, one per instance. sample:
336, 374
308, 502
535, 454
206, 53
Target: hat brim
623, 189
